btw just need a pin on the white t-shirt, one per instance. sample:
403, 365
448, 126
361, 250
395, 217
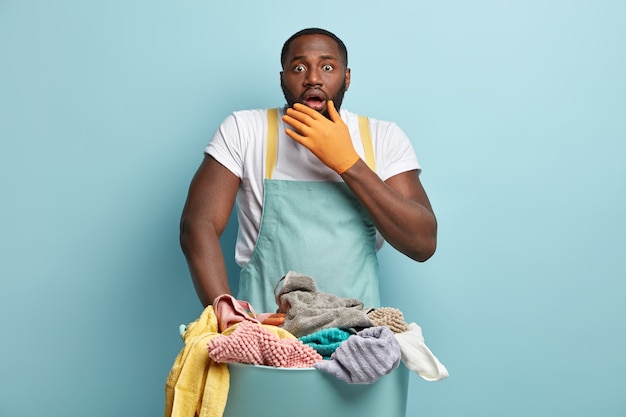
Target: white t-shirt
240, 145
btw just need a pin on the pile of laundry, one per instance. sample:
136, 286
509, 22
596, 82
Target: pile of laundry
309, 329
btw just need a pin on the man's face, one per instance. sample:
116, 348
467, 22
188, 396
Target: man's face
313, 73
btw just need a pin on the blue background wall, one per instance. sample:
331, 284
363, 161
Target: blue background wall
517, 112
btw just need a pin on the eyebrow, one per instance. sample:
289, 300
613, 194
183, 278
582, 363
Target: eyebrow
304, 57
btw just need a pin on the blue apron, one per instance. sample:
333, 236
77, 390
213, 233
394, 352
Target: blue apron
315, 228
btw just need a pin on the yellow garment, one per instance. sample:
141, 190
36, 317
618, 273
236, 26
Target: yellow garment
196, 385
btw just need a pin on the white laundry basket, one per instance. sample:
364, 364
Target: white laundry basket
266, 391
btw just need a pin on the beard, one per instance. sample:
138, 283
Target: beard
292, 99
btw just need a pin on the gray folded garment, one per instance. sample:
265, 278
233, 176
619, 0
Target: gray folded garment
364, 357
308, 310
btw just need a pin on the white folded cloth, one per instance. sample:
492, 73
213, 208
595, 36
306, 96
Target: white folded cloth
417, 357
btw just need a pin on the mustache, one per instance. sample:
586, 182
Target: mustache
314, 92
292, 98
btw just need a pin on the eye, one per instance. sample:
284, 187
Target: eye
298, 68
328, 67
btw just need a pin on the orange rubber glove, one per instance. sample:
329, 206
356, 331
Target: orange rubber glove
329, 140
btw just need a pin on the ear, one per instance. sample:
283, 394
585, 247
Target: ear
347, 79
281, 77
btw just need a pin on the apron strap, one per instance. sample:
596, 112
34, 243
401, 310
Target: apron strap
366, 139
272, 142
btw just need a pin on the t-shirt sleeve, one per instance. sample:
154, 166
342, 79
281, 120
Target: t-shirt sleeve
395, 151
226, 146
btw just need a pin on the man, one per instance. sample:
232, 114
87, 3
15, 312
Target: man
317, 188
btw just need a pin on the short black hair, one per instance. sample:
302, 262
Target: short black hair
315, 31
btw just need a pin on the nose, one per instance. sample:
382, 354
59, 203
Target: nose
313, 78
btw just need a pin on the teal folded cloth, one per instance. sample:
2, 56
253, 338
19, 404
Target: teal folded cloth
326, 341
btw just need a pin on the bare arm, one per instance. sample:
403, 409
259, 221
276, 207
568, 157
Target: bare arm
399, 207
208, 207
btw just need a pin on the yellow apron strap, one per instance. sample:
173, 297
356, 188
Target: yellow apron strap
272, 142
366, 139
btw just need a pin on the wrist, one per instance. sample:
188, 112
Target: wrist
347, 164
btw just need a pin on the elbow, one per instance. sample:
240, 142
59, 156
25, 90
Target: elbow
427, 250
185, 236
421, 250
424, 246
419, 245
196, 234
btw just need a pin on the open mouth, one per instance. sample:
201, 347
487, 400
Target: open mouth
315, 99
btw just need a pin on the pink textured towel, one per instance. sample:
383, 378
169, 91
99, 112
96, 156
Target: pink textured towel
251, 343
